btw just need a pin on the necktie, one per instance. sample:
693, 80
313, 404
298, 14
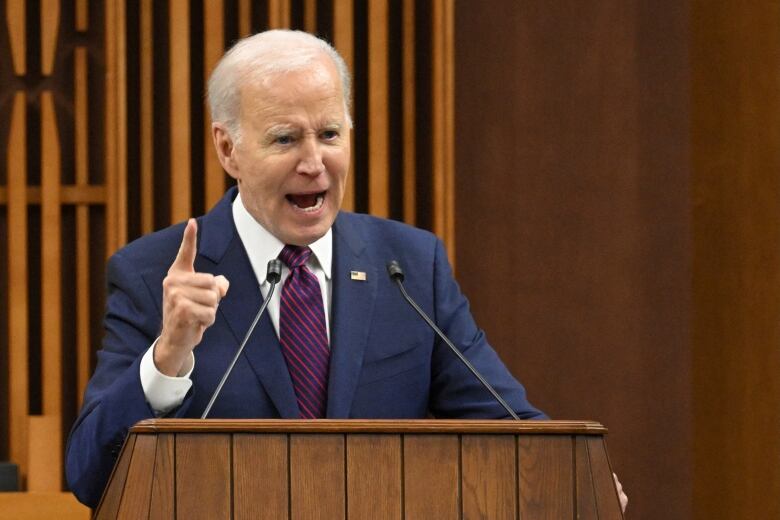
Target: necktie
302, 333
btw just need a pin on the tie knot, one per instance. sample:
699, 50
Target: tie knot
294, 256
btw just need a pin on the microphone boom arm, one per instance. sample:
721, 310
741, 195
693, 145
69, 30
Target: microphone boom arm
397, 275
273, 275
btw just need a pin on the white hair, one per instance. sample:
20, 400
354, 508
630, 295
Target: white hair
262, 55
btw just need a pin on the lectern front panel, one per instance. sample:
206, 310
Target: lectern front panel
386, 470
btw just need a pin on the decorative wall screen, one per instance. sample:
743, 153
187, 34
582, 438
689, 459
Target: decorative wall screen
104, 137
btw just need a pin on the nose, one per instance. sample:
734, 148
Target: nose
310, 162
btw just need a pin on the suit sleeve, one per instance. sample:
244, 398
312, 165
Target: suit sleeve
455, 392
114, 399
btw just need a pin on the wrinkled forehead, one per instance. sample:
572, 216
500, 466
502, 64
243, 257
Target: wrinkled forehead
315, 87
317, 76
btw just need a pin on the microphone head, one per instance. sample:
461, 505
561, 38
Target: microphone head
274, 272
395, 271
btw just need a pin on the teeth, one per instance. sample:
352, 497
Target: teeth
317, 205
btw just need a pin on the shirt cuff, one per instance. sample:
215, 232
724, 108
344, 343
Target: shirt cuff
164, 393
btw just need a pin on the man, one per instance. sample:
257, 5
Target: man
338, 341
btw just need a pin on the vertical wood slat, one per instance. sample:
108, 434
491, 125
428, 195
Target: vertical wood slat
409, 115
317, 476
278, 14
45, 461
17, 34
179, 115
374, 476
81, 139
213, 48
50, 19
378, 120
146, 82
607, 501
47, 477
343, 41
489, 476
51, 255
115, 118
138, 486
586, 497
111, 123
431, 494
18, 314
203, 466
442, 124
82, 15
310, 16
163, 485
545, 470
109, 503
260, 473
244, 18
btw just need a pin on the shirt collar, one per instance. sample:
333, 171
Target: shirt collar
261, 246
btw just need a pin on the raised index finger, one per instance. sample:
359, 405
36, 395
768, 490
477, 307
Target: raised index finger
185, 259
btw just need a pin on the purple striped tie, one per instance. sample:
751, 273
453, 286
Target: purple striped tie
302, 333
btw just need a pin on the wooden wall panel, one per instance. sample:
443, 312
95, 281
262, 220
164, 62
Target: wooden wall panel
146, 144
105, 104
17, 32
735, 128
179, 85
343, 41
50, 179
573, 220
213, 48
81, 142
624, 160
443, 121
378, 142
18, 313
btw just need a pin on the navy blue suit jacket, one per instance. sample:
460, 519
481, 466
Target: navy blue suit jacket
385, 361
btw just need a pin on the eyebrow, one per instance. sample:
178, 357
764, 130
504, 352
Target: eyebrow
285, 128
280, 129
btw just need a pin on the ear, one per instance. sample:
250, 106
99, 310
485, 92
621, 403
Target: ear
226, 150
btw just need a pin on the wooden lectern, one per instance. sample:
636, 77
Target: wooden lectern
362, 469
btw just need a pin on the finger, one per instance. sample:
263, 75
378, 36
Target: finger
222, 285
185, 295
180, 279
202, 315
185, 259
190, 316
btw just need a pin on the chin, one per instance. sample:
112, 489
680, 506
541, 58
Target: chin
306, 237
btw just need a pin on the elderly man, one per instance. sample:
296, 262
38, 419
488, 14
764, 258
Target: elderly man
338, 341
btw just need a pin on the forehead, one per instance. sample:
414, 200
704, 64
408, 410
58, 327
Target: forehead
314, 89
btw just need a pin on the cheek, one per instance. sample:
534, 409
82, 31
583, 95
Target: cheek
338, 164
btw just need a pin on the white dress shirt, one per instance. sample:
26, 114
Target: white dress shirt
165, 393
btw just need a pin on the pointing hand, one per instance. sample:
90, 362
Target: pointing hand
190, 303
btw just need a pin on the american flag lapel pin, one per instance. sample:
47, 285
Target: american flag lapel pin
360, 276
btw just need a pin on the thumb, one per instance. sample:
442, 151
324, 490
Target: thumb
222, 285
185, 259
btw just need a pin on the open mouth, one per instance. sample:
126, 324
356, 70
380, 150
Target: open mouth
308, 202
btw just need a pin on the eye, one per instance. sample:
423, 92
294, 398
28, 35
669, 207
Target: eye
330, 135
284, 139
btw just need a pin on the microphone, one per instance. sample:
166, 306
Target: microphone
273, 275
397, 275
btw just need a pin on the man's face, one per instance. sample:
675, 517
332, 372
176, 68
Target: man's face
293, 157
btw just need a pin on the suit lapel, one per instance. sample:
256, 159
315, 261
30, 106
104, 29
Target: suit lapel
241, 303
351, 312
